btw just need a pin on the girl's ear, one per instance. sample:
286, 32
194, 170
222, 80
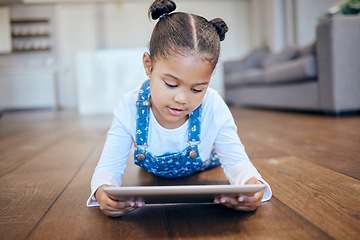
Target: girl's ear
147, 63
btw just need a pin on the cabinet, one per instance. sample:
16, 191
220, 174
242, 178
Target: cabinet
28, 78
27, 88
30, 34
5, 40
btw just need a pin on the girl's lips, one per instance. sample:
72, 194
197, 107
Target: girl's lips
175, 111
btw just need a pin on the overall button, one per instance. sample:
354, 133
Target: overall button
141, 157
192, 154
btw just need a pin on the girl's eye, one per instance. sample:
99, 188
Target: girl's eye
196, 90
170, 85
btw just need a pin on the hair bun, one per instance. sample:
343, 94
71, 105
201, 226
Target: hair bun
220, 26
160, 7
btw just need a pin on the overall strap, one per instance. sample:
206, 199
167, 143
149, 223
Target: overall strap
194, 126
142, 121
194, 131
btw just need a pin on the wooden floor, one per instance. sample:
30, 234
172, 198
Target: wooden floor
312, 163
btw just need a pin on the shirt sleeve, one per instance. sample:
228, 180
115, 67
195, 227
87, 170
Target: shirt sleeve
234, 160
112, 163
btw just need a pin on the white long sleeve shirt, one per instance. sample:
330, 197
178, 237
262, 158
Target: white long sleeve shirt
218, 130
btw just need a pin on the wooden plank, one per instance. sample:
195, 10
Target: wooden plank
27, 146
29, 191
273, 220
331, 129
322, 128
304, 139
23, 135
69, 218
255, 147
324, 197
14, 123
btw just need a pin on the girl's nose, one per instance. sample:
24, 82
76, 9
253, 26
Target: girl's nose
180, 98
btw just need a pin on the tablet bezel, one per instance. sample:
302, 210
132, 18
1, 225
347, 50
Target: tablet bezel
180, 194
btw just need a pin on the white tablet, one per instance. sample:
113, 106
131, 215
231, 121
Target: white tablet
180, 194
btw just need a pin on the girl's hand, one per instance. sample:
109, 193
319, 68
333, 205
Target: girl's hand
112, 207
243, 203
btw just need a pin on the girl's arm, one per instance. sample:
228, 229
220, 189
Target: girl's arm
236, 164
115, 154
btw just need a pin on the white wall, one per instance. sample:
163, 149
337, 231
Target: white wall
277, 23
76, 32
307, 12
267, 25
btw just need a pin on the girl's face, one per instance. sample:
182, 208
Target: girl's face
177, 85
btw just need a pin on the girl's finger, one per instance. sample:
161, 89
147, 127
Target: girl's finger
118, 212
109, 208
139, 204
253, 198
247, 199
229, 201
240, 203
239, 207
116, 204
252, 180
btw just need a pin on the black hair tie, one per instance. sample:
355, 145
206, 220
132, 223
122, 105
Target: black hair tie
164, 15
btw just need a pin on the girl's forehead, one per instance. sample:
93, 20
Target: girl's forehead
184, 68
183, 59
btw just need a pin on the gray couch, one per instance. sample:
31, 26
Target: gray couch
322, 77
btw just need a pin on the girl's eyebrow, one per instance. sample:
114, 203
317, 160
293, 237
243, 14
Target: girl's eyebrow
171, 76
178, 79
203, 83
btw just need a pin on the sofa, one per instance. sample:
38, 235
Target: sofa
323, 76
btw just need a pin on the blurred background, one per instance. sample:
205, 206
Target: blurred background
83, 55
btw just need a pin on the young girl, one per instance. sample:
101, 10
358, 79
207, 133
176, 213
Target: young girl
179, 125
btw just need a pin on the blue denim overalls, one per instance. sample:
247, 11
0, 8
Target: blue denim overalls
169, 165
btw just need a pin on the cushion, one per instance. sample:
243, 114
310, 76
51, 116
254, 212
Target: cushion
252, 60
300, 69
307, 49
286, 54
249, 77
